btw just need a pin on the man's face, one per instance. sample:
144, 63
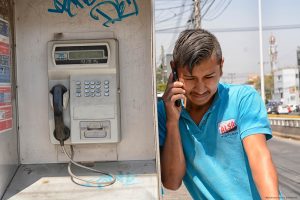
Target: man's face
202, 83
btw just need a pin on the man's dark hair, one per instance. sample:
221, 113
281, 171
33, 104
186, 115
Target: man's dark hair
194, 46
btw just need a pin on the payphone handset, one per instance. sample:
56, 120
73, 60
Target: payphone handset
87, 72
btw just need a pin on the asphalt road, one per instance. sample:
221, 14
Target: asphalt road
286, 156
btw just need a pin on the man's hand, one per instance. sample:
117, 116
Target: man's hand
261, 164
173, 92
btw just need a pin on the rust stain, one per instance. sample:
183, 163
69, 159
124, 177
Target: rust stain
45, 181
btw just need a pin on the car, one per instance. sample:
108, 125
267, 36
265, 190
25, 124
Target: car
272, 107
294, 108
283, 109
297, 108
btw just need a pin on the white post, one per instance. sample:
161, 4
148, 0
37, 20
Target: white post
262, 78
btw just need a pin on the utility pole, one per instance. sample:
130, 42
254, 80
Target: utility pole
262, 75
162, 56
163, 65
273, 60
197, 14
298, 63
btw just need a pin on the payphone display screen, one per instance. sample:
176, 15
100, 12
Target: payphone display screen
81, 55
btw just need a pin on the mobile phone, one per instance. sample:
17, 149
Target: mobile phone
175, 78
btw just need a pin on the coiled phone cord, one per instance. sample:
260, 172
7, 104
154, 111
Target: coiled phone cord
94, 183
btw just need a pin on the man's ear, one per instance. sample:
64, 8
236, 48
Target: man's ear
221, 66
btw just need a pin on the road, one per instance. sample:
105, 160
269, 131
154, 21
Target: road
286, 156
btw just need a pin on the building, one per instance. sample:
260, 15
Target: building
286, 85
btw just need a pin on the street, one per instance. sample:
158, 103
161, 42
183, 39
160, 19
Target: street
286, 156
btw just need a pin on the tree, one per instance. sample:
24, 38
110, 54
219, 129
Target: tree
160, 73
269, 85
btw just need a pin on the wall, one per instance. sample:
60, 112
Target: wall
35, 26
8, 139
288, 85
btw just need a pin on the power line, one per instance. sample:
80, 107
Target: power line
172, 28
239, 29
209, 6
177, 24
203, 4
220, 13
160, 1
168, 8
191, 22
158, 15
216, 7
175, 15
265, 28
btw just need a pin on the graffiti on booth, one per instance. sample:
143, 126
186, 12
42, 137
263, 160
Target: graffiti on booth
110, 11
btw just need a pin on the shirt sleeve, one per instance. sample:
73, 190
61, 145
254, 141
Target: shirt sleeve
161, 122
253, 117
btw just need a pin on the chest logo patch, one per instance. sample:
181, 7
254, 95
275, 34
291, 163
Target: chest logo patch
227, 127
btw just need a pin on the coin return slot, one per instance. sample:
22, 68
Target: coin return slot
92, 130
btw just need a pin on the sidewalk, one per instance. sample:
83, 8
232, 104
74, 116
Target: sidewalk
180, 194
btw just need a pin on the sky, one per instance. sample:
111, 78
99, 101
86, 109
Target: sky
240, 47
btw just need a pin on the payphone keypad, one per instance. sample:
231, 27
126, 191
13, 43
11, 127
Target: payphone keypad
92, 88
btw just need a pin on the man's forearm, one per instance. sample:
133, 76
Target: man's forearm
172, 158
265, 177
262, 167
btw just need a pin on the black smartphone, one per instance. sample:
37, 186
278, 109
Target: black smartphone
175, 78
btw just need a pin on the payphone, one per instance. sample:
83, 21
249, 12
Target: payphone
84, 97
84, 90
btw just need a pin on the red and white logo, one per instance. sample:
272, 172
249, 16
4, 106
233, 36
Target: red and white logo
227, 126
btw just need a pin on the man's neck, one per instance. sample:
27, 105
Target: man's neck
197, 112
190, 107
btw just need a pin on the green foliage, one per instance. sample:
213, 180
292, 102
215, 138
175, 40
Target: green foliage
161, 87
158, 75
269, 85
160, 83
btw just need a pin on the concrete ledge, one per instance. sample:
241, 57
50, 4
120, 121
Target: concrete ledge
136, 180
284, 131
286, 135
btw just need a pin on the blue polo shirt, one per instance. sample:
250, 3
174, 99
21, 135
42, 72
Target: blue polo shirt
216, 163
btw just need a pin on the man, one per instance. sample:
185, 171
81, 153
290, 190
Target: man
216, 144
